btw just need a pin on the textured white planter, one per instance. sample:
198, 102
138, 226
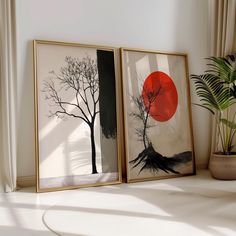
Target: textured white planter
223, 166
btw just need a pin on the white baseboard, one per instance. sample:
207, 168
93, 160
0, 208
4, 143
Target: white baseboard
26, 181
200, 166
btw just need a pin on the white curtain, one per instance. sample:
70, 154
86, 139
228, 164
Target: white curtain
222, 19
222, 27
7, 96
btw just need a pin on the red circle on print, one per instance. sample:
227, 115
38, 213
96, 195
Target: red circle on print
160, 96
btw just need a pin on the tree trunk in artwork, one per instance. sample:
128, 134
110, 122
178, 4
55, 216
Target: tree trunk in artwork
93, 151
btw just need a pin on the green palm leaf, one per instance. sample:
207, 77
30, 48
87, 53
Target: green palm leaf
212, 92
217, 91
225, 68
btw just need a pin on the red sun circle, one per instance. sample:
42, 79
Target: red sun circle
160, 96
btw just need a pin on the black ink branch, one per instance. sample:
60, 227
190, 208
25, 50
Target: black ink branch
149, 159
79, 77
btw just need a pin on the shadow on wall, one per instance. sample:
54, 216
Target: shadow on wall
25, 114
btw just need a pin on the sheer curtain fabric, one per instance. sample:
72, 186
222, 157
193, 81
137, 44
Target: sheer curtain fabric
222, 27
222, 23
7, 96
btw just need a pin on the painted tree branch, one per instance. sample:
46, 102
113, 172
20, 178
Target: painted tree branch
78, 77
143, 112
149, 159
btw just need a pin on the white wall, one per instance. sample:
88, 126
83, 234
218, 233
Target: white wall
167, 25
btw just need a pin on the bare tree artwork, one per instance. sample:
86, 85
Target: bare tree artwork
79, 77
149, 158
144, 113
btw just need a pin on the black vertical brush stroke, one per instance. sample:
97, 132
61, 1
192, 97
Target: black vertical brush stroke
107, 92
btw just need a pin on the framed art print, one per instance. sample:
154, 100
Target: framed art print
157, 115
76, 115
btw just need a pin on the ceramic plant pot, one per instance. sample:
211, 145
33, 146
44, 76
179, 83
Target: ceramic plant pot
223, 166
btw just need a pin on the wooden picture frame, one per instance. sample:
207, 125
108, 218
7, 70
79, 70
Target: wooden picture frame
77, 115
157, 115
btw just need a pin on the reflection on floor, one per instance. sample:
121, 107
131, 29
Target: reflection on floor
196, 205
78, 180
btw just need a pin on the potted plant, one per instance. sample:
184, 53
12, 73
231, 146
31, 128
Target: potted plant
216, 89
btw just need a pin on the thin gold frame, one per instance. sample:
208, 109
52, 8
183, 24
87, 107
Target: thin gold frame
128, 180
118, 114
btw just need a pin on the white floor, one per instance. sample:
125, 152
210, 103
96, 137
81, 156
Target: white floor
196, 205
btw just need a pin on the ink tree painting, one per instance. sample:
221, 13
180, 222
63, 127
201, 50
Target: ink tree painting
80, 76
76, 97
86, 80
158, 101
157, 115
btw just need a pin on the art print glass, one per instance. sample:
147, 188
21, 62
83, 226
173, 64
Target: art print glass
76, 114
157, 116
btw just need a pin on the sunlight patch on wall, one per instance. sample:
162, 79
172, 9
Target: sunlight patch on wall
162, 63
143, 70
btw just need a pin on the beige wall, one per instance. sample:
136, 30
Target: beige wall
170, 25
